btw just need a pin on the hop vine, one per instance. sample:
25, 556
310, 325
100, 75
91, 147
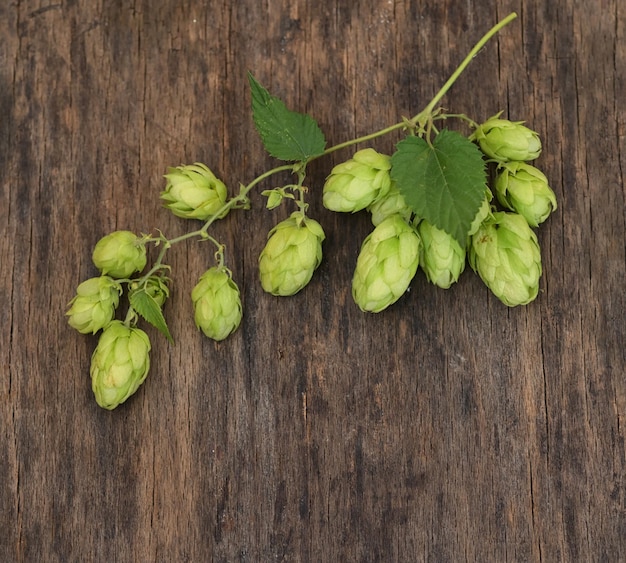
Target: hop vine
430, 204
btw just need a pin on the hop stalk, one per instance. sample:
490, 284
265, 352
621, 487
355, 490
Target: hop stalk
502, 247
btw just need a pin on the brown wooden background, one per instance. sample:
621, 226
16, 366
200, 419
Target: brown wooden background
448, 428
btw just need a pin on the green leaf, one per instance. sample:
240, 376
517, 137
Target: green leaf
146, 306
286, 134
443, 183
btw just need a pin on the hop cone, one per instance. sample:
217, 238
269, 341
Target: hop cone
358, 182
441, 256
386, 264
216, 303
524, 189
391, 203
120, 254
483, 212
155, 287
505, 140
194, 192
505, 254
119, 364
291, 255
94, 304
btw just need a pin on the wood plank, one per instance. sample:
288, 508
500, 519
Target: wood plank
446, 428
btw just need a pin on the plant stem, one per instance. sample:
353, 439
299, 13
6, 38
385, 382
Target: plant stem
202, 231
421, 119
427, 111
364, 138
423, 116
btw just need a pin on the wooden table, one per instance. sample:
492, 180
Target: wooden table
447, 428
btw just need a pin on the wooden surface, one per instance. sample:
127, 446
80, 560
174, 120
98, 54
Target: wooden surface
448, 428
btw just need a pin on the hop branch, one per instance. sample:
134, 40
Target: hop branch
430, 205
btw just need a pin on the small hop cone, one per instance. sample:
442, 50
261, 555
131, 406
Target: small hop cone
506, 255
94, 304
217, 303
120, 254
441, 256
390, 204
483, 212
119, 364
292, 253
387, 263
504, 140
194, 192
524, 189
357, 183
155, 287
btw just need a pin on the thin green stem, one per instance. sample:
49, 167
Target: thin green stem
364, 138
422, 122
158, 263
427, 111
230, 204
424, 116
202, 232
265, 175
130, 316
460, 116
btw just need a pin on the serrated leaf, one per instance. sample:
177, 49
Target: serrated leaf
146, 307
286, 134
443, 183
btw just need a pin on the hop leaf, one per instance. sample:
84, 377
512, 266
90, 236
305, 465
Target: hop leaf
149, 309
286, 134
443, 183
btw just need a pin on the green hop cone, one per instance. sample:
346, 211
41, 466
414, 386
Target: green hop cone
506, 255
386, 264
194, 192
155, 287
505, 140
94, 304
292, 253
217, 303
523, 188
441, 256
483, 212
358, 182
391, 203
120, 254
119, 364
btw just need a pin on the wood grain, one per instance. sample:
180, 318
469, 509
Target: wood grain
447, 428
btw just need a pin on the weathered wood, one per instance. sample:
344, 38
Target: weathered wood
447, 428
